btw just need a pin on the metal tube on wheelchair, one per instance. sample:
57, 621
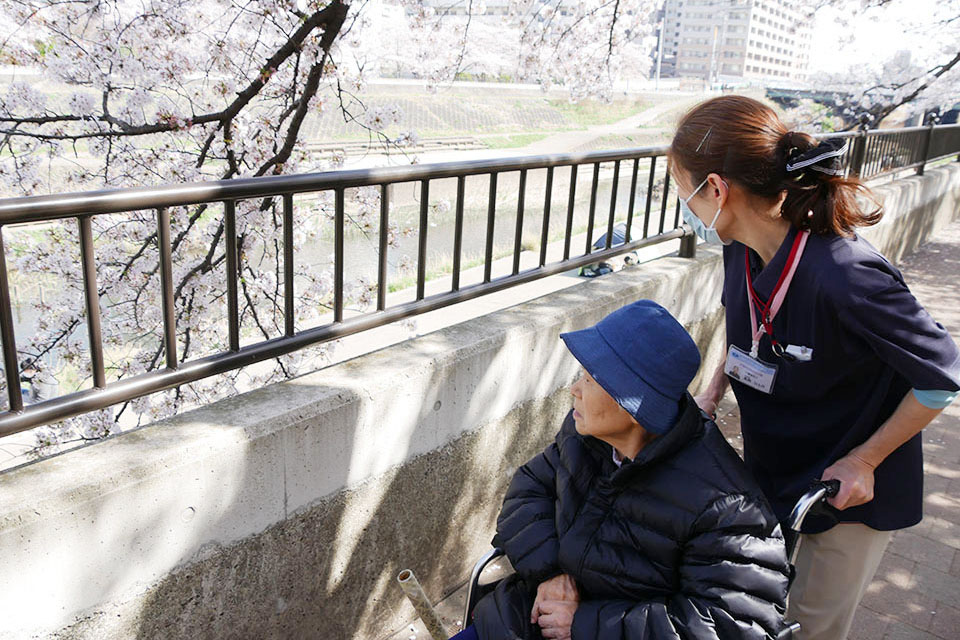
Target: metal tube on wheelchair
414, 592
814, 496
799, 514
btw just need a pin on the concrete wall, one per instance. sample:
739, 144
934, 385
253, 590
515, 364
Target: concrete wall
287, 512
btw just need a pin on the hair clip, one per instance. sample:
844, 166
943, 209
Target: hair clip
705, 136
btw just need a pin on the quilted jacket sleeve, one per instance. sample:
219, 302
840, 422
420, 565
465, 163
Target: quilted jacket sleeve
733, 584
526, 526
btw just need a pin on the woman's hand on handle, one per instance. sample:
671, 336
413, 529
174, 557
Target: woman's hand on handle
856, 481
709, 398
561, 588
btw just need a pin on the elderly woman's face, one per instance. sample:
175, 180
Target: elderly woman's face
596, 413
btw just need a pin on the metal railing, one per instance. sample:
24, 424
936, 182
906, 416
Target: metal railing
83, 206
871, 154
880, 152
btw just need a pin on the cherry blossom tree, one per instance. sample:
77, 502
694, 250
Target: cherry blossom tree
171, 91
915, 75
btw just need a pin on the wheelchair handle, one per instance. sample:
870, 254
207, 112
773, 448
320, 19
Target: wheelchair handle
818, 492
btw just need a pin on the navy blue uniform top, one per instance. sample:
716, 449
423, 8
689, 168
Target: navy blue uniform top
872, 342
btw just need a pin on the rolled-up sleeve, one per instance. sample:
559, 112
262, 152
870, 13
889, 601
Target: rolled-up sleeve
874, 304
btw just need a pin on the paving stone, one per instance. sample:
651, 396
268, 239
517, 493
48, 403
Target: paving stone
942, 506
955, 567
868, 625
920, 549
943, 458
946, 622
935, 467
938, 529
935, 483
942, 586
896, 571
906, 632
900, 598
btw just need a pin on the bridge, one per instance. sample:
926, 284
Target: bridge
287, 511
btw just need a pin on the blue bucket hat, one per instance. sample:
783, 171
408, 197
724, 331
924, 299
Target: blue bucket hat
643, 358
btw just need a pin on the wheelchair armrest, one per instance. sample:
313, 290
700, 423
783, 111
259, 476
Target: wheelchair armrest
472, 592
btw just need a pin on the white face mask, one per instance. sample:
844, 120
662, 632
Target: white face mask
706, 233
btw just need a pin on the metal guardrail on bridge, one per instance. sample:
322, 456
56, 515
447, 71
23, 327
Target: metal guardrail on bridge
871, 154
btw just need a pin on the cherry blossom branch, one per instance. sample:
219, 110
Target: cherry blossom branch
883, 110
330, 18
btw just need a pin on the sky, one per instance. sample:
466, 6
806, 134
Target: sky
876, 35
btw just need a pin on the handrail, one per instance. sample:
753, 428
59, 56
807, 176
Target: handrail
68, 205
871, 154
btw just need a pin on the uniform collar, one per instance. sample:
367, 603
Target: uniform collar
765, 279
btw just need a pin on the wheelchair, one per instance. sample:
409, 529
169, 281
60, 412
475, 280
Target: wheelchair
817, 494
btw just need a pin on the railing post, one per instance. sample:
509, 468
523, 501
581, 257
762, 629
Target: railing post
857, 154
925, 145
688, 246
11, 365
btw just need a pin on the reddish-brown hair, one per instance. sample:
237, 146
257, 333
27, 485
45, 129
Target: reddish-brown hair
743, 140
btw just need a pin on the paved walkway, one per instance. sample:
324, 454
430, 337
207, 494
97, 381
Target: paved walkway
916, 593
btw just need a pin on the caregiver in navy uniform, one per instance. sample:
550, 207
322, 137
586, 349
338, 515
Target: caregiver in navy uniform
835, 365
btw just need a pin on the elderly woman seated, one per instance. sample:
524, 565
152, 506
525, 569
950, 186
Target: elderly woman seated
639, 521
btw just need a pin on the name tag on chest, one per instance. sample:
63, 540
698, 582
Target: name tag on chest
752, 372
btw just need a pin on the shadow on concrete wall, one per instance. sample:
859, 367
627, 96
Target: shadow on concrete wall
328, 570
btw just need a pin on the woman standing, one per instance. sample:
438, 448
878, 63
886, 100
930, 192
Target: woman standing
835, 365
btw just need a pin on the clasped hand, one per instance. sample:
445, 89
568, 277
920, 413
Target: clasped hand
856, 481
556, 603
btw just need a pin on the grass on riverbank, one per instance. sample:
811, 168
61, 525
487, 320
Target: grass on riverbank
514, 140
592, 112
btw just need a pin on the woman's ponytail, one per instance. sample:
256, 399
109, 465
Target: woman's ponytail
743, 139
818, 196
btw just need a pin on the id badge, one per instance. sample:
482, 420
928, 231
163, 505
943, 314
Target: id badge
752, 372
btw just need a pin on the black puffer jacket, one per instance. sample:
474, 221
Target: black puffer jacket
678, 543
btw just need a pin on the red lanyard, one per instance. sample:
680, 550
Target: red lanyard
770, 308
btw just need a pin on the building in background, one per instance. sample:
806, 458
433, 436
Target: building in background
736, 41
479, 7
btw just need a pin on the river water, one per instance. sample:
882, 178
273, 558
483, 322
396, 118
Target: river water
361, 250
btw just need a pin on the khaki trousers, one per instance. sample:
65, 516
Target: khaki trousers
834, 569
